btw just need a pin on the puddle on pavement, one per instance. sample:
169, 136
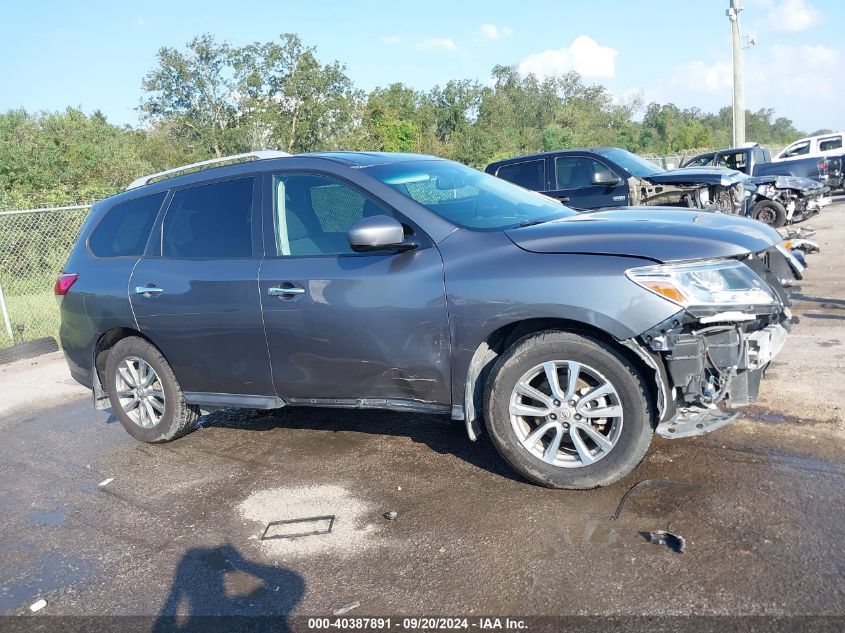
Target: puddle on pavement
657, 498
353, 529
764, 415
239, 584
50, 517
54, 572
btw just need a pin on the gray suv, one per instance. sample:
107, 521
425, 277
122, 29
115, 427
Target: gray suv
411, 283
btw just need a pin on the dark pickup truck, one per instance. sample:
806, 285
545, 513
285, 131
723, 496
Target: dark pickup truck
757, 161
600, 177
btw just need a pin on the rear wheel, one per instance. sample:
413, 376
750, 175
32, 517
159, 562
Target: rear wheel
568, 411
769, 212
145, 394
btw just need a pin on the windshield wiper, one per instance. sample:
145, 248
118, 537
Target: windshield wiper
532, 222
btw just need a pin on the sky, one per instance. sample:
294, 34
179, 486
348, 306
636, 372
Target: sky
94, 54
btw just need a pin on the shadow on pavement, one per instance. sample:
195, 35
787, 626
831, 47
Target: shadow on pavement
217, 589
437, 432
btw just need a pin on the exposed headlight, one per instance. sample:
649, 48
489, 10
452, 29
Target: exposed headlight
711, 283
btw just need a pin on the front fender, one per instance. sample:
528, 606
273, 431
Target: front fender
492, 284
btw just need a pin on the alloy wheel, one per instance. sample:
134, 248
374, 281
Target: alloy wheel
566, 413
140, 392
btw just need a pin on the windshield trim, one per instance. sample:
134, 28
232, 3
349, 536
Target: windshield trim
611, 153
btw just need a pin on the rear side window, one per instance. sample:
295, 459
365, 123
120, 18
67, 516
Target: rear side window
530, 174
124, 230
210, 221
830, 143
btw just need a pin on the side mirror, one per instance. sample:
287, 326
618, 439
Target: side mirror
378, 233
606, 178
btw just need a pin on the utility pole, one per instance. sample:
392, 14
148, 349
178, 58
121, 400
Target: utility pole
736, 54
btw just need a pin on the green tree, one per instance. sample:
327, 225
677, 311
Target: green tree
287, 98
194, 92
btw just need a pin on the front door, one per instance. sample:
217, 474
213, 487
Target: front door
196, 294
573, 184
341, 326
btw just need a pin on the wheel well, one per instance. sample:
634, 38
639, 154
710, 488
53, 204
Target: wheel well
500, 340
109, 340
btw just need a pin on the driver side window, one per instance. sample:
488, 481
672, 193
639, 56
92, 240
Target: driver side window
576, 172
797, 150
313, 214
702, 161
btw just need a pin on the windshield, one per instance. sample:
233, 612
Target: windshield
467, 197
633, 164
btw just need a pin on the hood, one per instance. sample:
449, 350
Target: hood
658, 233
696, 175
788, 182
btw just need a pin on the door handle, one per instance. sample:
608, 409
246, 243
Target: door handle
275, 291
144, 290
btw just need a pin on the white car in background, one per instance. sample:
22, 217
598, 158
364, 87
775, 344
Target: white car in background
822, 145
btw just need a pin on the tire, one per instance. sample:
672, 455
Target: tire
769, 212
630, 433
178, 417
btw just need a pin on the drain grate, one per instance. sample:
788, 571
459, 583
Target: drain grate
297, 528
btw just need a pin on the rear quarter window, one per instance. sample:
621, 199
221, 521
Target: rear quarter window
530, 174
124, 229
830, 143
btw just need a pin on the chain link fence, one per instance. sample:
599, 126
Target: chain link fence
34, 245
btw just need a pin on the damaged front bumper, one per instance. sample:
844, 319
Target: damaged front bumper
714, 373
709, 364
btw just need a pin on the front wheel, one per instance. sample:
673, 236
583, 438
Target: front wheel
568, 411
770, 212
144, 393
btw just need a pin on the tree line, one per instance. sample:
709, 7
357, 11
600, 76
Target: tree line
211, 99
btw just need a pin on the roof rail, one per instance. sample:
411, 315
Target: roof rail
257, 155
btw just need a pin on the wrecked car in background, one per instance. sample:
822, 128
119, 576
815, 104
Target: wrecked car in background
779, 193
780, 200
600, 177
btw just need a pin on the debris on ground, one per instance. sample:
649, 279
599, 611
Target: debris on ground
390, 515
346, 608
38, 605
105, 482
674, 542
648, 483
297, 528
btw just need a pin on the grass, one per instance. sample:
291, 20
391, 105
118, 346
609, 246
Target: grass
38, 313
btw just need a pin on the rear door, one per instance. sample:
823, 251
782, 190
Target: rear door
573, 183
345, 327
195, 292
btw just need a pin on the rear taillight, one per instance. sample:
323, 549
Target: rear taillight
822, 165
64, 282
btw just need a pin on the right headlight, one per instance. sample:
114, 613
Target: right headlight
719, 283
